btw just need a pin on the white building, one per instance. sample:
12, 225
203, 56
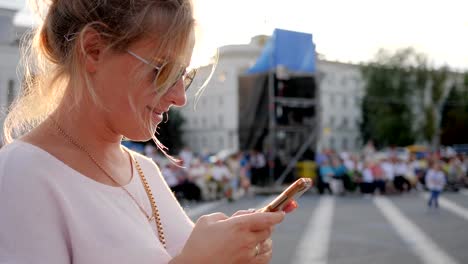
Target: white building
9, 55
213, 125
341, 89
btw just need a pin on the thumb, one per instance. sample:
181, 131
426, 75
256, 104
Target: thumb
211, 218
260, 221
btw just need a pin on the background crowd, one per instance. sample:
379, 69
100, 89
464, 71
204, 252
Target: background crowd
371, 172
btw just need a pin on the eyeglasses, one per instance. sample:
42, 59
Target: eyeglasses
162, 73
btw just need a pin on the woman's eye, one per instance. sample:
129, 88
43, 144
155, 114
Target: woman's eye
154, 74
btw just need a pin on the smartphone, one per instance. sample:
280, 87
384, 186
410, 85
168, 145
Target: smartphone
294, 191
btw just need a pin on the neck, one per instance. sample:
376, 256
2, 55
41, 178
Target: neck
86, 125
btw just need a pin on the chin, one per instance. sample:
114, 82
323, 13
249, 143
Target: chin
141, 136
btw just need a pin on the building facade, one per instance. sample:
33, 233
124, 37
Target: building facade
341, 92
10, 77
212, 121
212, 118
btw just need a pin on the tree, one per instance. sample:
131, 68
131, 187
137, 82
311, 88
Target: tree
454, 124
170, 132
387, 116
404, 98
439, 91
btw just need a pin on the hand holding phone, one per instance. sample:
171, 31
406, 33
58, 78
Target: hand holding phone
294, 191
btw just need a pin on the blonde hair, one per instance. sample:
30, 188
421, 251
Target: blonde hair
51, 52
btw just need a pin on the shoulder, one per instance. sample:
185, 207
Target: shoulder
19, 160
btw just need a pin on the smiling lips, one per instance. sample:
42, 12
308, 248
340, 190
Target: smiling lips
157, 115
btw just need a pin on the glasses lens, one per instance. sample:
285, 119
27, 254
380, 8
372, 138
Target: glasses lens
188, 78
164, 74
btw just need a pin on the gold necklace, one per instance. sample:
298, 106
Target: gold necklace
154, 207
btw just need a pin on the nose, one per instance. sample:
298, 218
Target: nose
176, 94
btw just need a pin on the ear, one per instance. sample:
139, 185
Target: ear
92, 49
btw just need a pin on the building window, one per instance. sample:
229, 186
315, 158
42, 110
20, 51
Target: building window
330, 79
11, 91
332, 121
356, 80
332, 99
203, 122
345, 102
345, 144
231, 140
221, 101
221, 121
344, 81
221, 142
357, 143
345, 122
332, 142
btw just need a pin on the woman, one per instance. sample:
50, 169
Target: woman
69, 191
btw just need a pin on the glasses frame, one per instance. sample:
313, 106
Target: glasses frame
184, 74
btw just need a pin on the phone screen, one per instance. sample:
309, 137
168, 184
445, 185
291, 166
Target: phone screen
293, 192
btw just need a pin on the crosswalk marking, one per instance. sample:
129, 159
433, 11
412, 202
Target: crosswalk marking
416, 239
451, 206
314, 244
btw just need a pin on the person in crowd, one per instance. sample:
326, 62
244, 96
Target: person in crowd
379, 176
339, 175
353, 168
435, 181
367, 181
222, 176
325, 176
258, 167
455, 173
186, 155
198, 173
185, 189
233, 163
400, 181
245, 174
99, 72
389, 174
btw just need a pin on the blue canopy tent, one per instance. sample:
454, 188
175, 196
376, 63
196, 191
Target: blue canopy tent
293, 50
273, 101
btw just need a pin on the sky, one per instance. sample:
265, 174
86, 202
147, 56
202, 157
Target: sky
343, 30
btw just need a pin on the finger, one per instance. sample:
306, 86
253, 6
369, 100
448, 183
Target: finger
262, 236
291, 206
266, 246
258, 221
215, 217
243, 212
262, 258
